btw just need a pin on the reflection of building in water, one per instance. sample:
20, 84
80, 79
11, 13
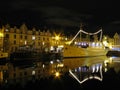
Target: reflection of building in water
56, 67
112, 62
84, 73
13, 73
3, 69
22, 73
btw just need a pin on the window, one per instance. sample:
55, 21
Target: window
15, 36
47, 39
25, 73
14, 75
43, 39
25, 37
33, 37
20, 36
21, 74
38, 43
14, 42
38, 38
7, 35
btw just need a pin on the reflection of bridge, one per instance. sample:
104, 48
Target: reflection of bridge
84, 73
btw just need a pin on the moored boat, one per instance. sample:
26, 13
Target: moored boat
76, 52
25, 55
84, 48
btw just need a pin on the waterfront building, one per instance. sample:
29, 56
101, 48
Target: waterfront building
16, 38
113, 42
116, 39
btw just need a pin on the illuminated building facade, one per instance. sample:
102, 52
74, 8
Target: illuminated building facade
14, 38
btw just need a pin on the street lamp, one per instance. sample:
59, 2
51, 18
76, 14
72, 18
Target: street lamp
57, 38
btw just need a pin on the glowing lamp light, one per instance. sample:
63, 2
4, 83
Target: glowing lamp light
33, 37
51, 48
33, 72
51, 62
1, 34
57, 74
57, 38
105, 43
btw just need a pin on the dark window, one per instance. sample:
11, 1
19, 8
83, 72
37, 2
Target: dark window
7, 35
14, 36
14, 42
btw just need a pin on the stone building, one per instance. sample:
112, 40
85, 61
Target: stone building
116, 39
15, 38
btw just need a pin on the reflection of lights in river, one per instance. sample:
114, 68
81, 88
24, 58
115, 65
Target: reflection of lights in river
57, 74
93, 72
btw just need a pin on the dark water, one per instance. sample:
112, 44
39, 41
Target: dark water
75, 73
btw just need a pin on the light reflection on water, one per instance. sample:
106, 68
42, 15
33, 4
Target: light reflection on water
83, 69
77, 62
84, 73
13, 73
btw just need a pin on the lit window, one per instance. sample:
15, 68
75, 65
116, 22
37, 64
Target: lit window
33, 72
33, 37
6, 30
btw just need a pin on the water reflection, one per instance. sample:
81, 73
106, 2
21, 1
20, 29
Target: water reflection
72, 63
82, 69
84, 73
22, 72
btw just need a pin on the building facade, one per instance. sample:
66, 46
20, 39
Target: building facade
16, 38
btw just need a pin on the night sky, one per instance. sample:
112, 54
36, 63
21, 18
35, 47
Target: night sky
62, 15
